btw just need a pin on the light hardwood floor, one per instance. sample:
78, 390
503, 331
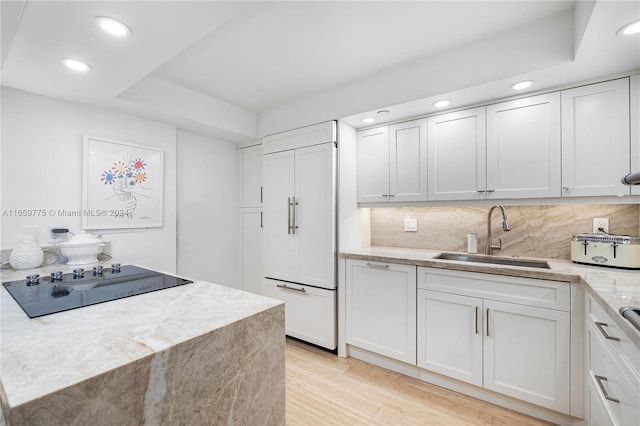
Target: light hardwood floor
323, 389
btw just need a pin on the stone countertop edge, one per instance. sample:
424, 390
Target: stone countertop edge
107, 335
612, 288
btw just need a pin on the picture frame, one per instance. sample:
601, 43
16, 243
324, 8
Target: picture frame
122, 185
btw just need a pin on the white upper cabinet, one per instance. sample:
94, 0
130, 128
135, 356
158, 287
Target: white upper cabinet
635, 128
373, 165
250, 172
457, 155
523, 148
408, 161
392, 163
595, 139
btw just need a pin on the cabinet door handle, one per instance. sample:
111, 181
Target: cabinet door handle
294, 221
481, 191
261, 220
487, 322
376, 266
261, 199
289, 227
606, 335
491, 190
606, 395
477, 310
300, 290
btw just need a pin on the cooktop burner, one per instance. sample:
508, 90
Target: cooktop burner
58, 292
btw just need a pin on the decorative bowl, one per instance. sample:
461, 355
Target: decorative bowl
82, 249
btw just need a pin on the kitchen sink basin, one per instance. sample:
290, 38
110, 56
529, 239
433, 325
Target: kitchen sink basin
494, 260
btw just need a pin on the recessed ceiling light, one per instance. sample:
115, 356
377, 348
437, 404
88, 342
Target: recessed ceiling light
112, 26
75, 64
368, 120
521, 85
441, 103
630, 28
383, 112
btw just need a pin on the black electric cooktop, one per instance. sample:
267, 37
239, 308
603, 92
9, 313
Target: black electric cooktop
58, 292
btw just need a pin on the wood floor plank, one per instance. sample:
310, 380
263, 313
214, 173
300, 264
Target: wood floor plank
323, 389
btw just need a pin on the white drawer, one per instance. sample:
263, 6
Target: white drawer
626, 352
606, 379
310, 312
524, 291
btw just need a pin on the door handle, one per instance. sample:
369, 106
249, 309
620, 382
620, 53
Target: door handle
289, 227
376, 266
477, 310
487, 322
300, 290
261, 220
606, 335
606, 395
294, 224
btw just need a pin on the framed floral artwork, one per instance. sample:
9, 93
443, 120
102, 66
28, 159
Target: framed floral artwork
122, 185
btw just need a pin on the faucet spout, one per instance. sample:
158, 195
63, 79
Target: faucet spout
505, 226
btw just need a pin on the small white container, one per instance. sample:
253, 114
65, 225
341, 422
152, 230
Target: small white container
472, 243
27, 254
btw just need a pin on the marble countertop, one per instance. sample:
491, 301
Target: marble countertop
612, 288
48, 353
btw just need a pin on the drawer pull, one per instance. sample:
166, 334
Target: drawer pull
606, 335
374, 265
301, 290
599, 380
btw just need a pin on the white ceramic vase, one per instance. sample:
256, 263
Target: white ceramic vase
27, 254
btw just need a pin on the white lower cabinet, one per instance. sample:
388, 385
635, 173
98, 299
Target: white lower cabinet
309, 311
477, 335
381, 308
613, 385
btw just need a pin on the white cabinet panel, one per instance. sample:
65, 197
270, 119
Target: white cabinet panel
526, 353
314, 215
523, 148
634, 93
250, 173
279, 241
595, 139
457, 155
373, 165
408, 161
381, 308
441, 316
309, 311
392, 163
251, 250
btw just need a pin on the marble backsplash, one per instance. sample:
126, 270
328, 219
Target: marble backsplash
536, 231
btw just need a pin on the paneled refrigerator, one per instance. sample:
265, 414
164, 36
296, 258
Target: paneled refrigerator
299, 251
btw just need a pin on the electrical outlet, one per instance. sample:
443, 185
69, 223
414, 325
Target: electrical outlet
601, 224
411, 225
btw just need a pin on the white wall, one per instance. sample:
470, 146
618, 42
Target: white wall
207, 209
354, 228
41, 158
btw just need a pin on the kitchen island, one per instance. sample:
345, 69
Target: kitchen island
200, 353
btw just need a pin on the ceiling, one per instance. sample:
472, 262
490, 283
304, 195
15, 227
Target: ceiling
238, 70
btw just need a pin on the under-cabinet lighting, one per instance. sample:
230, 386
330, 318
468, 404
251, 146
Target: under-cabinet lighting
442, 103
521, 85
368, 120
383, 112
112, 26
630, 28
75, 64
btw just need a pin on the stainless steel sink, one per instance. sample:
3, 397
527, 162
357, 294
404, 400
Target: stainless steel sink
494, 260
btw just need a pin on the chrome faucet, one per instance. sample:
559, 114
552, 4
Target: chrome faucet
505, 226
